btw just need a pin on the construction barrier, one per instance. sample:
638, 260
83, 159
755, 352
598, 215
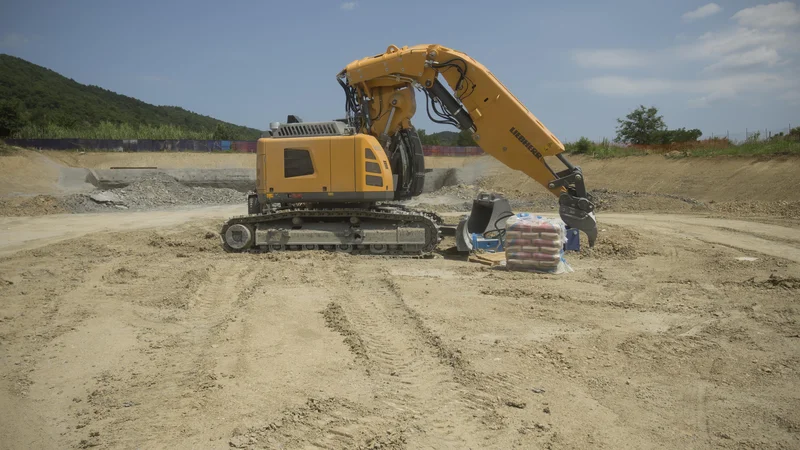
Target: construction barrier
440, 150
189, 145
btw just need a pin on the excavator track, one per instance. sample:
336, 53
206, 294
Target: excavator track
382, 230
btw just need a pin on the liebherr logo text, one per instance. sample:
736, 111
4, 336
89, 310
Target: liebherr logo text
526, 143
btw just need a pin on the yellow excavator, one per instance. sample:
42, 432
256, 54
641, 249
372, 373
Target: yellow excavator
334, 185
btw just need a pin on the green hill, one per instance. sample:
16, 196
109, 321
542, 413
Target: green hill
446, 138
48, 104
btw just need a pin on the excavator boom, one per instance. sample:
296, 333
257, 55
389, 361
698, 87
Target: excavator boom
380, 102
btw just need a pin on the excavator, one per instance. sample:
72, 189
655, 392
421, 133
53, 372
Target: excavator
336, 185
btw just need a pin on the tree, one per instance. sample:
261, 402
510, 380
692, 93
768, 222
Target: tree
678, 135
222, 133
684, 135
427, 139
12, 117
465, 139
642, 126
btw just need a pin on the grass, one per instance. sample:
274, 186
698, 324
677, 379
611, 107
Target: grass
769, 148
711, 147
108, 130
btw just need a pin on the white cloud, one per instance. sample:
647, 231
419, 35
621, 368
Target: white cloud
702, 12
626, 86
716, 44
347, 6
12, 40
774, 15
755, 57
708, 89
611, 58
755, 54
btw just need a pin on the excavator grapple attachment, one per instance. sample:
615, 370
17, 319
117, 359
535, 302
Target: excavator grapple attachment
578, 218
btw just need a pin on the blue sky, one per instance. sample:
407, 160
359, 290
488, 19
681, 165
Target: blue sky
577, 65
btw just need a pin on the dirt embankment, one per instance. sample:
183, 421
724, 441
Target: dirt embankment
161, 160
723, 186
39, 183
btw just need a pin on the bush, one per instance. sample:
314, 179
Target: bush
604, 149
465, 139
583, 146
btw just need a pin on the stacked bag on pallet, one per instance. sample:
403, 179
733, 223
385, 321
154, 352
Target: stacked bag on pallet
535, 244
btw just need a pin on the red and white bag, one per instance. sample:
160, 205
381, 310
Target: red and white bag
535, 244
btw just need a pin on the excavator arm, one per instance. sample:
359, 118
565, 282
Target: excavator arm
380, 102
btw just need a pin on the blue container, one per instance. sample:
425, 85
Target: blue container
573, 243
488, 244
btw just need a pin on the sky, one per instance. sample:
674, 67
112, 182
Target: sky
577, 65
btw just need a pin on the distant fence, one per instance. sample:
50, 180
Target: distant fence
441, 150
190, 145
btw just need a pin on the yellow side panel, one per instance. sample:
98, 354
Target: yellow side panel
261, 165
363, 142
343, 164
320, 151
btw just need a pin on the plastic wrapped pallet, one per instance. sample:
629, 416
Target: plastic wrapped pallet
535, 244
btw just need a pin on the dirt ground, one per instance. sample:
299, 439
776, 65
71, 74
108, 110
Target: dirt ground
135, 330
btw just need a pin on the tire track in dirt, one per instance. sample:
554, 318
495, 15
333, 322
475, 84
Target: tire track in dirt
490, 389
423, 382
740, 235
179, 381
50, 313
324, 420
252, 281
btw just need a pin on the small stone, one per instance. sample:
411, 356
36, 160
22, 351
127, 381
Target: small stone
237, 442
546, 410
515, 404
542, 427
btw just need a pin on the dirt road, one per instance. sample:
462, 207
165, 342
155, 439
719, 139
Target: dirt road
18, 233
133, 330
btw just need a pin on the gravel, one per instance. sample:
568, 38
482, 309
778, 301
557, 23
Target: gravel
157, 191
